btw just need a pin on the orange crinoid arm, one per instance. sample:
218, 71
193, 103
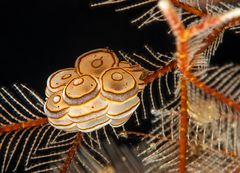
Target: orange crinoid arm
191, 42
188, 8
22, 125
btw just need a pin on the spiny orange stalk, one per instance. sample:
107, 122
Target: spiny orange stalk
160, 72
188, 8
23, 125
71, 153
182, 46
183, 127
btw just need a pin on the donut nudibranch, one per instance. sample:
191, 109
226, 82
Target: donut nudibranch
100, 90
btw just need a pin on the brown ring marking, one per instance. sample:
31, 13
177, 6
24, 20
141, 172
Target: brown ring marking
66, 76
95, 61
85, 93
57, 97
116, 76
82, 80
119, 92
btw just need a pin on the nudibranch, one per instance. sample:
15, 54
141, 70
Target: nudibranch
100, 90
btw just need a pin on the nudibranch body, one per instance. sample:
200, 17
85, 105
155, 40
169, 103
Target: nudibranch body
100, 90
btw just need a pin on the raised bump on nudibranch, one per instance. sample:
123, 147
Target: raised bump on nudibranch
118, 84
81, 90
56, 108
96, 61
59, 79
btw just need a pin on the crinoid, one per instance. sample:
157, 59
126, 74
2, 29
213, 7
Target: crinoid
193, 108
200, 126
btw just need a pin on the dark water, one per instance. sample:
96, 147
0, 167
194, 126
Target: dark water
39, 37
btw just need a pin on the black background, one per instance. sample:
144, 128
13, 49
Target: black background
39, 37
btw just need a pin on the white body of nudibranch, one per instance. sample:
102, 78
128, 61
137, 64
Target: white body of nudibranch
99, 91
